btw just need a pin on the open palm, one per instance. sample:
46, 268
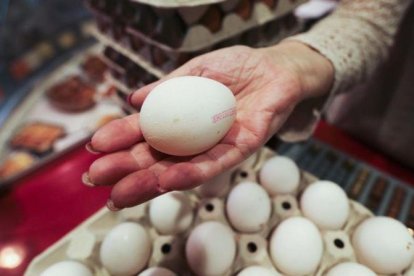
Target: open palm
266, 92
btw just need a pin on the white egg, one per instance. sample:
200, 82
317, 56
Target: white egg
67, 268
187, 115
157, 271
126, 249
326, 204
383, 244
296, 246
280, 175
171, 213
257, 271
211, 249
248, 207
350, 269
216, 187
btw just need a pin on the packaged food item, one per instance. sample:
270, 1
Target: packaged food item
37, 137
72, 94
95, 68
16, 163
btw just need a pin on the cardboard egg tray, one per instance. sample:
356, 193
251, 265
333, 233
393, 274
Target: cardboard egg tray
208, 203
383, 194
126, 71
183, 29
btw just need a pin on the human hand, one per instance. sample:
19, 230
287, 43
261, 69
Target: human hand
267, 84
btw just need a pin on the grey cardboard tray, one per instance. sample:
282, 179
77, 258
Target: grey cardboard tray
199, 37
383, 194
83, 243
159, 73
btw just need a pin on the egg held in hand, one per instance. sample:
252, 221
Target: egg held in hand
188, 115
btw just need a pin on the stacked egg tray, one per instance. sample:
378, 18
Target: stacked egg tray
123, 60
215, 229
159, 36
174, 27
382, 194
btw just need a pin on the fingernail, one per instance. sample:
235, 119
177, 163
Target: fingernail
86, 180
110, 205
89, 148
129, 99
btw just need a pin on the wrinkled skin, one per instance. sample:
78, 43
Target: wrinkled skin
267, 87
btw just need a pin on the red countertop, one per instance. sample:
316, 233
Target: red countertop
44, 206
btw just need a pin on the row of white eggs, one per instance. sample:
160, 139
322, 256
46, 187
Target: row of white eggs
248, 209
71, 268
75, 268
249, 205
382, 244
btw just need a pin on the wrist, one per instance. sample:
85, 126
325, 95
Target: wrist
314, 71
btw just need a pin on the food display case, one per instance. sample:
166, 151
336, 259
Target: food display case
241, 222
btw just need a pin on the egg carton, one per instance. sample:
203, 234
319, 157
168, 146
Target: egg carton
206, 204
187, 29
383, 194
157, 62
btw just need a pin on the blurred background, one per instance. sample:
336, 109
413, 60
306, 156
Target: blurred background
67, 67
34, 37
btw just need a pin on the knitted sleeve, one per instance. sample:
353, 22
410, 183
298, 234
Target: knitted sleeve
356, 38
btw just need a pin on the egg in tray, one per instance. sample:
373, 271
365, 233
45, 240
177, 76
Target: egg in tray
265, 217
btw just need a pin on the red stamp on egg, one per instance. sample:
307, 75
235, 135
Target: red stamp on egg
222, 115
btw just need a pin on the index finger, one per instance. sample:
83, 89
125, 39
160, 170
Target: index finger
117, 135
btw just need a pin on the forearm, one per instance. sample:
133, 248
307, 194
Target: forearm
356, 38
315, 71
353, 40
